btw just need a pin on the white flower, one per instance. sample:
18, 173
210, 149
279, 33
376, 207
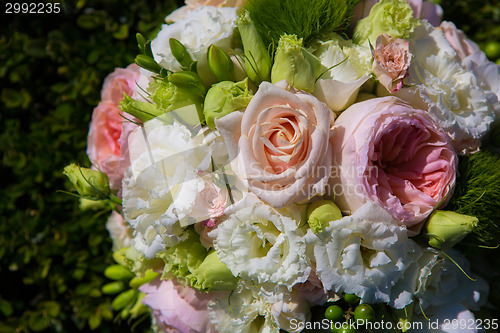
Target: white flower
441, 282
451, 93
161, 185
202, 27
348, 68
366, 254
454, 318
251, 309
258, 243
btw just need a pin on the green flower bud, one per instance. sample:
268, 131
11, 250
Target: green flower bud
143, 111
392, 17
90, 184
148, 63
118, 272
180, 53
149, 276
224, 98
139, 308
86, 204
446, 228
220, 64
113, 287
141, 41
295, 64
179, 90
321, 213
257, 60
124, 299
214, 275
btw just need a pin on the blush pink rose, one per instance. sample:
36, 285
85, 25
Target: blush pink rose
391, 60
108, 133
177, 308
387, 152
466, 49
280, 144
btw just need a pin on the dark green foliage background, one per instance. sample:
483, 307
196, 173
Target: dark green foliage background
52, 255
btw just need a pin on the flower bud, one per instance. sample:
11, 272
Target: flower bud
118, 272
214, 275
148, 63
179, 90
149, 276
257, 60
321, 213
220, 64
139, 308
295, 64
180, 53
224, 98
124, 299
141, 41
143, 111
447, 228
90, 184
113, 287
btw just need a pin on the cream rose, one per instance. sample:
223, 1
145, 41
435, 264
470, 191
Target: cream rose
386, 151
280, 145
391, 60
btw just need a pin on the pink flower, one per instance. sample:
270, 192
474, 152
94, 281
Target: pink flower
390, 153
280, 144
391, 61
107, 145
210, 202
177, 308
464, 47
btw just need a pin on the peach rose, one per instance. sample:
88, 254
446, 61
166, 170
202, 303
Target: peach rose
108, 133
391, 61
386, 151
280, 144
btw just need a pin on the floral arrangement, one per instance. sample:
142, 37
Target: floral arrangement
288, 165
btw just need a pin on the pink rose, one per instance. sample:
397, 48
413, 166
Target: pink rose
386, 151
107, 145
280, 144
177, 308
391, 60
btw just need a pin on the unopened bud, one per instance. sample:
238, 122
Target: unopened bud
321, 213
220, 64
180, 53
446, 228
90, 184
147, 63
118, 272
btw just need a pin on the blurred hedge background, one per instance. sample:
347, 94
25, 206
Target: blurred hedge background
52, 255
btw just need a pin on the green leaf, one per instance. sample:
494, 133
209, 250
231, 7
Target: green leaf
6, 308
37, 321
51, 307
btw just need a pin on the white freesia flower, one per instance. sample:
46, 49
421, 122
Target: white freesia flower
258, 243
366, 254
202, 27
252, 309
161, 185
348, 67
451, 93
441, 283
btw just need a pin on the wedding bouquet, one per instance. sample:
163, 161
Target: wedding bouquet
293, 165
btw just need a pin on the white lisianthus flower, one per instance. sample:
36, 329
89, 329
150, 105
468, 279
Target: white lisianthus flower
252, 309
441, 282
160, 187
451, 93
348, 67
202, 27
258, 243
366, 254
